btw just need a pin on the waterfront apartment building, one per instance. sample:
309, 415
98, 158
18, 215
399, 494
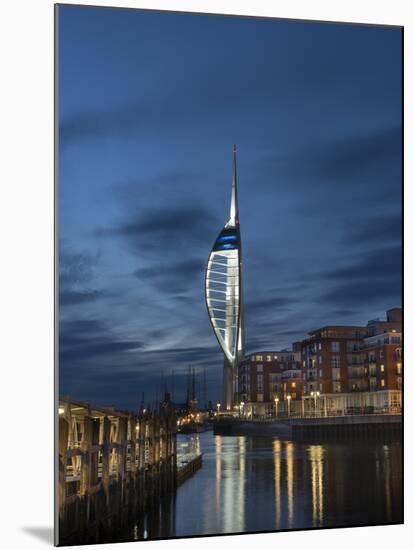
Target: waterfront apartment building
334, 359
331, 358
341, 359
266, 375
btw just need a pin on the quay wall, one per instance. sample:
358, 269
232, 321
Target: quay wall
308, 429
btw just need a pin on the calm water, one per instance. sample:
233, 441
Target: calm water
258, 484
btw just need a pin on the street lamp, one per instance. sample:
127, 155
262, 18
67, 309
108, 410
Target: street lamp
288, 397
218, 408
276, 402
241, 408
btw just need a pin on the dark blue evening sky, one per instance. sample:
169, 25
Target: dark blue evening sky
150, 105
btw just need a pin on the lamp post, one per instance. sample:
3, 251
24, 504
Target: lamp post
276, 403
218, 408
241, 406
303, 406
288, 397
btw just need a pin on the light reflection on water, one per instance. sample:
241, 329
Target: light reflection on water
257, 484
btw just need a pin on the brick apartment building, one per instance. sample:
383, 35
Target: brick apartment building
333, 359
342, 359
265, 375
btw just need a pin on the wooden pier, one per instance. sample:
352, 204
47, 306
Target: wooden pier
113, 467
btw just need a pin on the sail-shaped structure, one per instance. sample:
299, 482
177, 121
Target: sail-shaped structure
224, 295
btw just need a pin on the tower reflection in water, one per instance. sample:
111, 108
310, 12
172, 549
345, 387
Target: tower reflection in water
230, 459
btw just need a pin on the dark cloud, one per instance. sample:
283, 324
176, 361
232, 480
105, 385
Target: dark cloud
173, 277
362, 293
380, 264
71, 297
165, 231
269, 304
375, 230
341, 161
372, 276
82, 341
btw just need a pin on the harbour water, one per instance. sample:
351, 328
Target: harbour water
250, 484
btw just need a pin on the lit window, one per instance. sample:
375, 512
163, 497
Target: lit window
259, 357
382, 383
335, 361
259, 368
269, 358
293, 384
382, 368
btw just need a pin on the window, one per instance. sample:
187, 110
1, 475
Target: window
335, 347
382, 383
382, 368
259, 357
293, 395
336, 387
398, 354
260, 382
320, 359
335, 362
320, 388
351, 346
275, 356
260, 397
320, 373
336, 374
395, 340
293, 384
269, 358
320, 345
259, 368
381, 354
304, 364
398, 368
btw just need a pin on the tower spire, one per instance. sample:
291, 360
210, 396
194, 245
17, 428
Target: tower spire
234, 207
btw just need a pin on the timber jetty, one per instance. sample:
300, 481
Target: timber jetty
113, 467
329, 428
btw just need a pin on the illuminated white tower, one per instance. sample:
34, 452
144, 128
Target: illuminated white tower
224, 295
